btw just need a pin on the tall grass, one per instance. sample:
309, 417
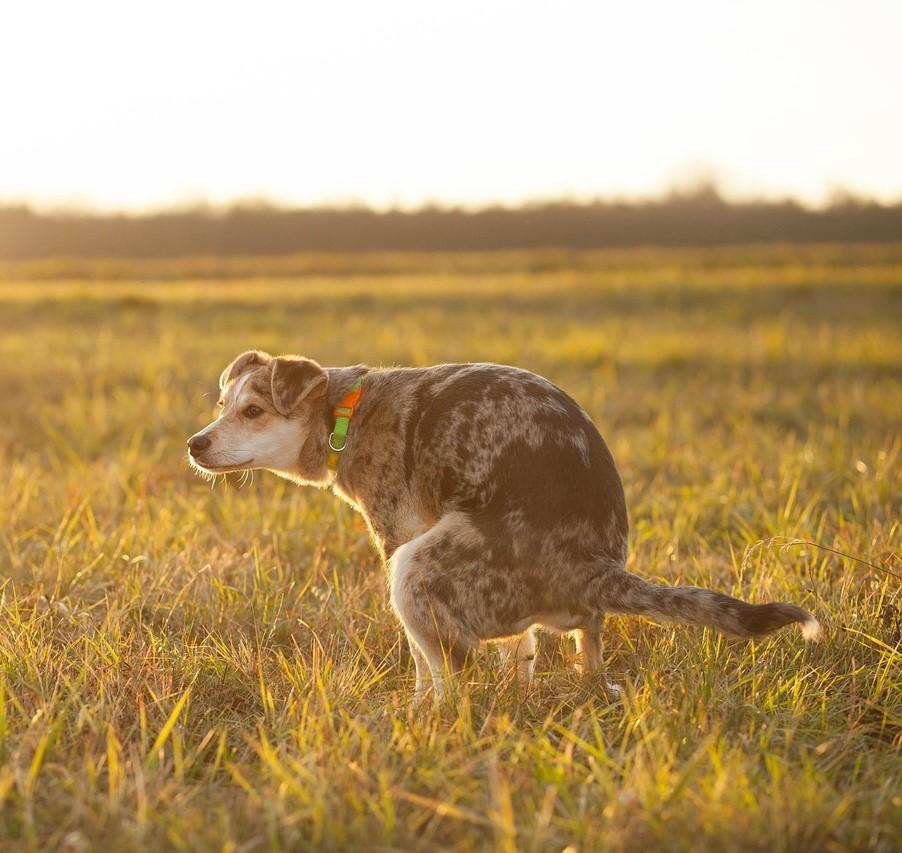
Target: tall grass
217, 668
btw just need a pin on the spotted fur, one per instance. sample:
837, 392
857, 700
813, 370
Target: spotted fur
491, 497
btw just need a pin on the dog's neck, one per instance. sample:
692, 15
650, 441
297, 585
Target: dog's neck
312, 467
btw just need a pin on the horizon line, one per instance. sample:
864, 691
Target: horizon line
705, 189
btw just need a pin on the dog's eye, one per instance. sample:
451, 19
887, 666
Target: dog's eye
253, 412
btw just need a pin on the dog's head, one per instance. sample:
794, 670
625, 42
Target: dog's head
267, 408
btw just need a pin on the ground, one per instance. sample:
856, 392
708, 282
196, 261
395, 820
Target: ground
218, 668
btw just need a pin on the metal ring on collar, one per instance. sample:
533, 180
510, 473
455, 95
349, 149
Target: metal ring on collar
332, 446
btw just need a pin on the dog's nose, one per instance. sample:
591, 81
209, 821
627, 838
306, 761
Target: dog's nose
198, 444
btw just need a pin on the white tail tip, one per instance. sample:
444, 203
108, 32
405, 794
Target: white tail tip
811, 629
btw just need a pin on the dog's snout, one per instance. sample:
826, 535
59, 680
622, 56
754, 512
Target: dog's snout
198, 444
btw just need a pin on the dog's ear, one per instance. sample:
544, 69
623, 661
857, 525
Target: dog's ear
295, 379
243, 362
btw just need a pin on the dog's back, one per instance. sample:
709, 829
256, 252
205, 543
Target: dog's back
509, 449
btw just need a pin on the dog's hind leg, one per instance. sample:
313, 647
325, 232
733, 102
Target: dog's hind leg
522, 651
430, 604
424, 673
589, 651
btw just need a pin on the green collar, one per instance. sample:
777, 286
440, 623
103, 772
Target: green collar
344, 411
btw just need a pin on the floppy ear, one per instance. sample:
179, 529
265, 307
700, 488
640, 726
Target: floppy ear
242, 363
295, 379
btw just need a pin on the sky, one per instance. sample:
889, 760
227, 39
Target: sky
140, 105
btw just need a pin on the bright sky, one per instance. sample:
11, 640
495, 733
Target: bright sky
134, 105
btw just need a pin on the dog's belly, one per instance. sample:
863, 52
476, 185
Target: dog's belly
560, 621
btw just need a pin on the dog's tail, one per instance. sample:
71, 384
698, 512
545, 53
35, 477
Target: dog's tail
619, 591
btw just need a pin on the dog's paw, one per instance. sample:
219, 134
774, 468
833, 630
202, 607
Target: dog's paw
614, 691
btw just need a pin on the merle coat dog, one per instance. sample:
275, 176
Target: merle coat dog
491, 497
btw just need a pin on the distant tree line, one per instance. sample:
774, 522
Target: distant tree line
700, 218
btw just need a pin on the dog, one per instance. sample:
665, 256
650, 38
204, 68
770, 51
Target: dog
491, 497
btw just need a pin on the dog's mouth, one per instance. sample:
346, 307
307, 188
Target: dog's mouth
209, 468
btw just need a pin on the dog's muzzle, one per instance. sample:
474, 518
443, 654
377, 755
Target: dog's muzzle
197, 444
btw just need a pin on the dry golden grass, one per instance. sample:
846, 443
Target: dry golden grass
202, 668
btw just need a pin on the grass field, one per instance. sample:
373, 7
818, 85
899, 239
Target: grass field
218, 669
